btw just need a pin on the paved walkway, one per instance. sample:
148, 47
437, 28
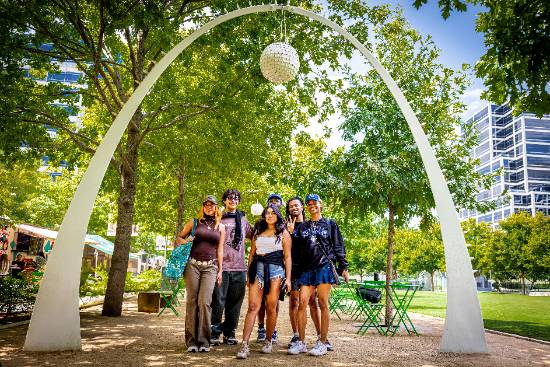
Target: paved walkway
139, 339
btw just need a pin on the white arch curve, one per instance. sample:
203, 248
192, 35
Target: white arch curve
55, 322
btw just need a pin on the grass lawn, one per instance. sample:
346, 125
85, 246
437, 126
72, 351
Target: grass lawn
511, 313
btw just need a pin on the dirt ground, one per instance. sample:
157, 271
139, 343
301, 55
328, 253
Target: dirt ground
140, 339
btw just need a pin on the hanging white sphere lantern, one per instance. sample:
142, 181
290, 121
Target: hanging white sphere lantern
257, 209
279, 62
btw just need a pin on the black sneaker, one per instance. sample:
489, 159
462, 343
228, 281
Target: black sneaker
274, 339
215, 340
261, 335
230, 340
294, 339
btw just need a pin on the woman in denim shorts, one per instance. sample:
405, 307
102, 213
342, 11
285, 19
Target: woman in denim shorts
269, 264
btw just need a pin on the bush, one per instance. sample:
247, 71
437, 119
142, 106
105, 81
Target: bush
16, 295
95, 286
149, 280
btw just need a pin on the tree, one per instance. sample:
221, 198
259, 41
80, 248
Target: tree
382, 172
478, 238
516, 66
538, 248
30, 196
508, 252
116, 44
421, 250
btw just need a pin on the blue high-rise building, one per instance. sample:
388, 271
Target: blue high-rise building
520, 145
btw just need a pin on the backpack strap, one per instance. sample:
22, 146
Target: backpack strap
194, 227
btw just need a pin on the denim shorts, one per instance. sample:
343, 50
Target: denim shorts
275, 271
323, 275
295, 284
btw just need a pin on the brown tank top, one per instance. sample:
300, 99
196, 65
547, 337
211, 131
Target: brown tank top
205, 243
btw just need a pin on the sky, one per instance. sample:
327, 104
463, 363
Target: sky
457, 39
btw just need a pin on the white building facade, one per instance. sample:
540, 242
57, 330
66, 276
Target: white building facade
520, 146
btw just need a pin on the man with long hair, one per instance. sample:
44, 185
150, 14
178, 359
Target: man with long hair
228, 297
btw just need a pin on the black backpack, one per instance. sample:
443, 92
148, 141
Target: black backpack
370, 295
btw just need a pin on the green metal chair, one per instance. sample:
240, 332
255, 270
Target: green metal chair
369, 313
172, 280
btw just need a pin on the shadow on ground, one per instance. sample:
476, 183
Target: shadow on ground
138, 339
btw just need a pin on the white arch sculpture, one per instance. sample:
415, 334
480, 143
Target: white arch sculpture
55, 322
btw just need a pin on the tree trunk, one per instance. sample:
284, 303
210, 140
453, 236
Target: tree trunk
181, 199
389, 261
523, 287
432, 280
112, 305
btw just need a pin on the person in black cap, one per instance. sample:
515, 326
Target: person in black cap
324, 247
277, 200
203, 270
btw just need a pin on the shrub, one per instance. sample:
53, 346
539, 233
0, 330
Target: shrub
94, 286
16, 295
91, 285
149, 280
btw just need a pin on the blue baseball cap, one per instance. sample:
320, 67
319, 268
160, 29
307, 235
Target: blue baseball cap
274, 196
312, 197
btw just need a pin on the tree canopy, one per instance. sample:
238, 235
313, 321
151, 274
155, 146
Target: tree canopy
516, 66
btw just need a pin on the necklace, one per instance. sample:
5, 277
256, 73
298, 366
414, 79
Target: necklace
209, 223
313, 225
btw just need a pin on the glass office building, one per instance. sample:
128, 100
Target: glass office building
520, 145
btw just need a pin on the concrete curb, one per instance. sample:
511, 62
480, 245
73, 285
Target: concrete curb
517, 336
490, 331
14, 324
81, 307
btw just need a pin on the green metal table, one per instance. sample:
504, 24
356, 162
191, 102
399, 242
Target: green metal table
401, 297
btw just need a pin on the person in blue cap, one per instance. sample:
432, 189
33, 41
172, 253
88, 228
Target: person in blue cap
277, 200
324, 255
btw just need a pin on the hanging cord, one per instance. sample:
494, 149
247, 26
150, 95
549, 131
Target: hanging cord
284, 22
282, 27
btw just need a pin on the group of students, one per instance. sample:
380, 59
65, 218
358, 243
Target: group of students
293, 256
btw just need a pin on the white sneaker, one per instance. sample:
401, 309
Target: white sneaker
204, 348
329, 346
297, 348
244, 352
268, 347
193, 349
319, 349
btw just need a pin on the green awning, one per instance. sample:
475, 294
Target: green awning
104, 245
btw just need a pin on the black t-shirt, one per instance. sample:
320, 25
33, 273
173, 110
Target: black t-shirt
297, 249
20, 266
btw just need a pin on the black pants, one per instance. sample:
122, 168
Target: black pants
228, 297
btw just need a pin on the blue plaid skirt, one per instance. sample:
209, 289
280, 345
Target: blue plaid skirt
318, 276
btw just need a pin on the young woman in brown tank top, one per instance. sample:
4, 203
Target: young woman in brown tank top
203, 271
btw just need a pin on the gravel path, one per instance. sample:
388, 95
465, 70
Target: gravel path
139, 339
